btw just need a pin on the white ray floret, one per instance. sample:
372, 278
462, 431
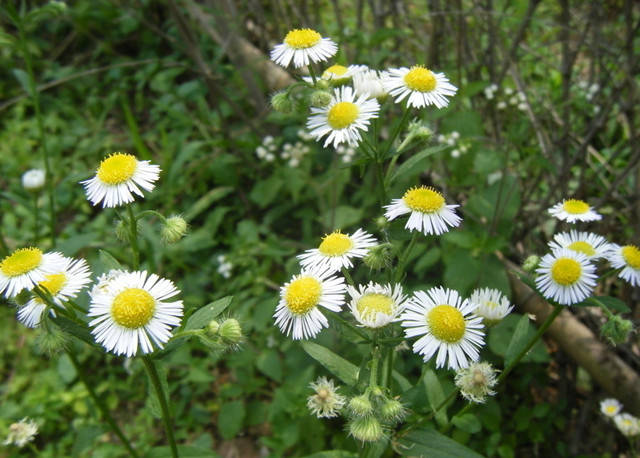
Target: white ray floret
298, 312
25, 268
626, 258
118, 178
419, 86
370, 83
493, 306
132, 312
337, 250
446, 325
566, 276
374, 305
429, 213
303, 46
573, 210
593, 246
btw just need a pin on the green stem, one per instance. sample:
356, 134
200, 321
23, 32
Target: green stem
36, 220
312, 73
101, 406
152, 371
347, 275
402, 262
375, 356
151, 212
133, 238
381, 183
399, 127
4, 249
345, 323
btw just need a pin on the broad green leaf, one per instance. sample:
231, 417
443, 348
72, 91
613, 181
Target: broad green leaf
270, 364
435, 395
501, 335
205, 314
611, 303
265, 191
230, 419
467, 422
518, 341
66, 370
338, 366
430, 443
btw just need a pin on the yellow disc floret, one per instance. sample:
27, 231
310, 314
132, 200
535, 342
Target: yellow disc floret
133, 308
117, 168
369, 305
566, 271
491, 304
335, 244
335, 70
611, 409
302, 295
302, 38
342, 115
21, 261
420, 79
575, 206
54, 283
582, 247
446, 323
631, 255
423, 199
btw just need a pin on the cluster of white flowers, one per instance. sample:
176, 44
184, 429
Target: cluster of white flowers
626, 423
509, 97
224, 266
294, 152
589, 90
266, 151
453, 139
346, 153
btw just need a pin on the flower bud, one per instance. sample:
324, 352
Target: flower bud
360, 406
366, 429
281, 103
379, 257
122, 231
230, 331
213, 327
392, 411
33, 180
320, 99
51, 340
531, 263
616, 330
322, 84
174, 229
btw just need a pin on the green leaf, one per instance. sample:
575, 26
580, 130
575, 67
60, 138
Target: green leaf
153, 403
414, 165
270, 364
430, 443
23, 79
332, 454
518, 341
612, 303
467, 422
204, 202
501, 335
108, 261
338, 366
435, 395
343, 217
66, 370
461, 270
205, 314
401, 380
265, 191
74, 329
230, 419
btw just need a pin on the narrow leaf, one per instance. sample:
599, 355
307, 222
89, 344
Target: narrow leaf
435, 395
518, 341
338, 366
429, 442
205, 314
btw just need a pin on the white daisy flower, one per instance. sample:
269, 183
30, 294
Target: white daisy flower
446, 324
626, 258
627, 424
303, 46
573, 210
339, 74
429, 212
610, 407
593, 246
63, 285
25, 267
118, 178
420, 85
374, 305
33, 179
566, 276
326, 402
493, 306
343, 118
132, 311
369, 83
298, 311
337, 249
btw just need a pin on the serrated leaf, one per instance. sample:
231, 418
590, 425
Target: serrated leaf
430, 443
518, 341
205, 314
338, 366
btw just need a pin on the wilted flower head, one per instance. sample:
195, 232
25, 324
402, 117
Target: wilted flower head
475, 382
326, 402
22, 432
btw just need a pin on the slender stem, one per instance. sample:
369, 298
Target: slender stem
382, 187
36, 220
133, 238
151, 212
345, 323
101, 405
399, 127
347, 275
152, 371
312, 73
402, 262
375, 356
44, 294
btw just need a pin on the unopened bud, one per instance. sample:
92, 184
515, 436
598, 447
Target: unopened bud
51, 340
33, 180
392, 411
382, 222
616, 330
531, 263
122, 231
379, 257
174, 229
231, 331
360, 406
320, 99
366, 429
322, 84
213, 327
281, 103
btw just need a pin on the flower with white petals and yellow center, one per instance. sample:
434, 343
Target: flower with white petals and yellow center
369, 83
420, 86
131, 311
573, 210
610, 407
374, 305
626, 258
344, 117
298, 312
118, 178
593, 246
339, 74
429, 212
337, 249
25, 267
303, 46
627, 424
67, 281
446, 325
493, 306
566, 276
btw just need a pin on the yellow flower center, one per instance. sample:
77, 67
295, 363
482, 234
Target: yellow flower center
420, 79
342, 114
631, 255
53, 283
21, 261
371, 304
575, 206
611, 409
117, 168
582, 247
133, 308
302, 38
422, 199
335, 244
446, 323
566, 271
335, 70
491, 304
303, 294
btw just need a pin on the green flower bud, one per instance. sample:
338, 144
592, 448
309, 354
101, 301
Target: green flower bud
281, 103
382, 222
392, 411
320, 99
51, 340
230, 331
530, 264
213, 327
379, 257
360, 406
366, 429
322, 84
174, 229
616, 330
